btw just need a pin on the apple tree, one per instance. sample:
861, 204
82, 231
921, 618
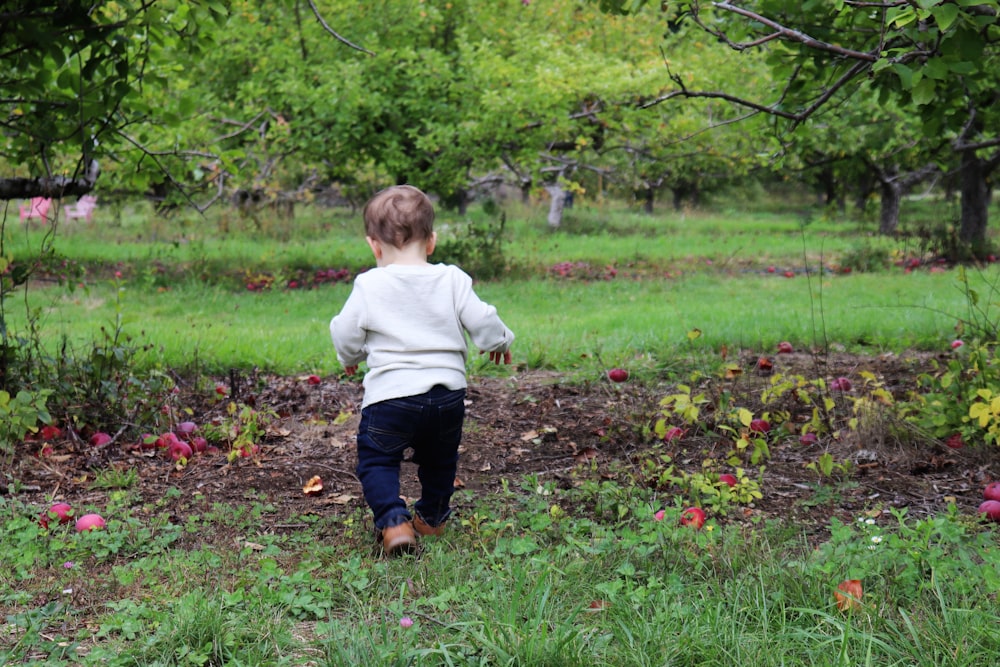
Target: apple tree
940, 56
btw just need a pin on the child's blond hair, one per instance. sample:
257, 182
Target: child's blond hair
399, 215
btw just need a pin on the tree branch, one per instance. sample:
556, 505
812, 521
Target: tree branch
326, 26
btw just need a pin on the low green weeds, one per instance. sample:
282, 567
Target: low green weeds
598, 573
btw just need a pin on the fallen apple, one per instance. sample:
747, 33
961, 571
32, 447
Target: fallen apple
313, 379
198, 444
673, 433
990, 509
185, 430
760, 425
50, 432
61, 511
618, 375
992, 491
764, 364
693, 516
166, 440
808, 438
840, 384
784, 347
955, 441
848, 594
89, 522
659, 515
728, 479
179, 450
955, 344
99, 439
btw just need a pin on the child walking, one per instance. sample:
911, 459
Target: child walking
409, 319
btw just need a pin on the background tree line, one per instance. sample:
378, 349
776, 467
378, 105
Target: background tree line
272, 102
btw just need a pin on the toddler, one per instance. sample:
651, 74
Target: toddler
409, 319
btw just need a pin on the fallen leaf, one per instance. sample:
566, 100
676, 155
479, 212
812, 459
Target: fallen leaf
459, 484
848, 594
585, 454
313, 487
341, 499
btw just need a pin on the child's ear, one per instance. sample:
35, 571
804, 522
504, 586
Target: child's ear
375, 246
432, 243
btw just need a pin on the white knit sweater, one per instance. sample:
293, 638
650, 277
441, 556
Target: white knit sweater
409, 322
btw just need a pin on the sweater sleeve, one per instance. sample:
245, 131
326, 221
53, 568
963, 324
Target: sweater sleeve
348, 329
480, 319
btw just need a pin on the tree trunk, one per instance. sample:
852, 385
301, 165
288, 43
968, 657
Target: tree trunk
555, 206
646, 195
892, 195
975, 214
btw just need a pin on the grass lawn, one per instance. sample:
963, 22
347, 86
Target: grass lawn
589, 569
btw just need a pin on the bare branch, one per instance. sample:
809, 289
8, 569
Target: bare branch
326, 26
794, 35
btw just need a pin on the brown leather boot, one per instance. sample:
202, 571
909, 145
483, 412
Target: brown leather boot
398, 539
424, 529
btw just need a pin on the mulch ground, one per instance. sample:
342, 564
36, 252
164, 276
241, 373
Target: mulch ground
558, 428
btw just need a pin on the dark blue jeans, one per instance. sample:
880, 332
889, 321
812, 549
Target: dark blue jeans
430, 424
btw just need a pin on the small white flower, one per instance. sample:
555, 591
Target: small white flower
870, 522
877, 539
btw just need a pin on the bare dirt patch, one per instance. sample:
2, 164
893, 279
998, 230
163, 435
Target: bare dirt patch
531, 423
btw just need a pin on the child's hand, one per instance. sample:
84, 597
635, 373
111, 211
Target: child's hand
350, 370
496, 357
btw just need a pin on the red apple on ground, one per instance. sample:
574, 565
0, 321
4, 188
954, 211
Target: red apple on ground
185, 430
955, 441
808, 438
89, 522
760, 425
618, 375
728, 479
166, 439
693, 516
99, 439
992, 491
198, 443
990, 509
313, 379
61, 511
784, 347
673, 433
840, 384
179, 450
659, 515
50, 432
955, 344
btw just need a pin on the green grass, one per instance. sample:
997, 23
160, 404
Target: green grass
556, 321
537, 574
599, 583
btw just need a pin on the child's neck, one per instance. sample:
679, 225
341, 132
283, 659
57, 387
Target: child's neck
412, 254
